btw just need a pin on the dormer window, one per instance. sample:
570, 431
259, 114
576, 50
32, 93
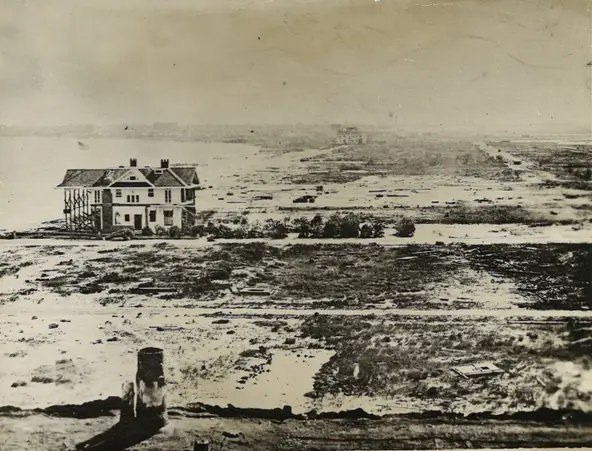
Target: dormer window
158, 171
133, 177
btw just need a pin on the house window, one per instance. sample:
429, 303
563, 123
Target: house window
117, 193
152, 215
167, 196
133, 199
168, 217
126, 218
97, 197
137, 198
150, 192
133, 177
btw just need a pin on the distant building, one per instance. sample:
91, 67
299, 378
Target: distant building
350, 135
133, 197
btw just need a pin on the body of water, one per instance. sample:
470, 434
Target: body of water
32, 167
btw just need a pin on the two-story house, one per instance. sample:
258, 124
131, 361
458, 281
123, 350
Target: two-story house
132, 196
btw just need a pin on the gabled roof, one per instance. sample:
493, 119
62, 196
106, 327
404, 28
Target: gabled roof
130, 178
164, 178
90, 177
175, 176
186, 173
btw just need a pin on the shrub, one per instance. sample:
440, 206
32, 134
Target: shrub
275, 229
147, 231
332, 227
240, 233
240, 220
378, 230
160, 230
586, 174
210, 228
338, 226
350, 226
122, 233
174, 232
197, 230
302, 227
128, 234
255, 231
405, 228
366, 231
316, 226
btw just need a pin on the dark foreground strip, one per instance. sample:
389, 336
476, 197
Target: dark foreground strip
111, 405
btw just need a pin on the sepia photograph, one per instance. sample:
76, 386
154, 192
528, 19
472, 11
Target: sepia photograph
234, 225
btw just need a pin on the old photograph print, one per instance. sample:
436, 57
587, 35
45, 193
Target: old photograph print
295, 224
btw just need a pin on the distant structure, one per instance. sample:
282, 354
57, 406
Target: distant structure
350, 135
130, 197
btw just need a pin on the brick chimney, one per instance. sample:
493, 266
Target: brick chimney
164, 163
133, 162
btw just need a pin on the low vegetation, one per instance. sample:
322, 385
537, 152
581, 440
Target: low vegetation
395, 155
550, 276
411, 358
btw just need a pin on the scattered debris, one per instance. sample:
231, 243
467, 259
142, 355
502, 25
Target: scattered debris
252, 291
477, 370
306, 199
42, 379
144, 288
166, 328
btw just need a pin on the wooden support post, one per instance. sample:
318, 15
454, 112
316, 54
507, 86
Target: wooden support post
65, 207
70, 206
150, 383
86, 205
127, 413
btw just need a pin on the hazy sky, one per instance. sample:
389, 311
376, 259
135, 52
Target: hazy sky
481, 64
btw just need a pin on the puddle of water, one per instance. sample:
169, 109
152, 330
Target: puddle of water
286, 383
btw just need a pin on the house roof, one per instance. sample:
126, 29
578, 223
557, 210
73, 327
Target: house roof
164, 178
174, 176
186, 173
91, 177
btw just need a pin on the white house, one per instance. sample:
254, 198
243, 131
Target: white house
132, 196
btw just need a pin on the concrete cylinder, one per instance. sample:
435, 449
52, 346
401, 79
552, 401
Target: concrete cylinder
150, 385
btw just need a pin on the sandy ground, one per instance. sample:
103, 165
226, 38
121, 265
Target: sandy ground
63, 346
